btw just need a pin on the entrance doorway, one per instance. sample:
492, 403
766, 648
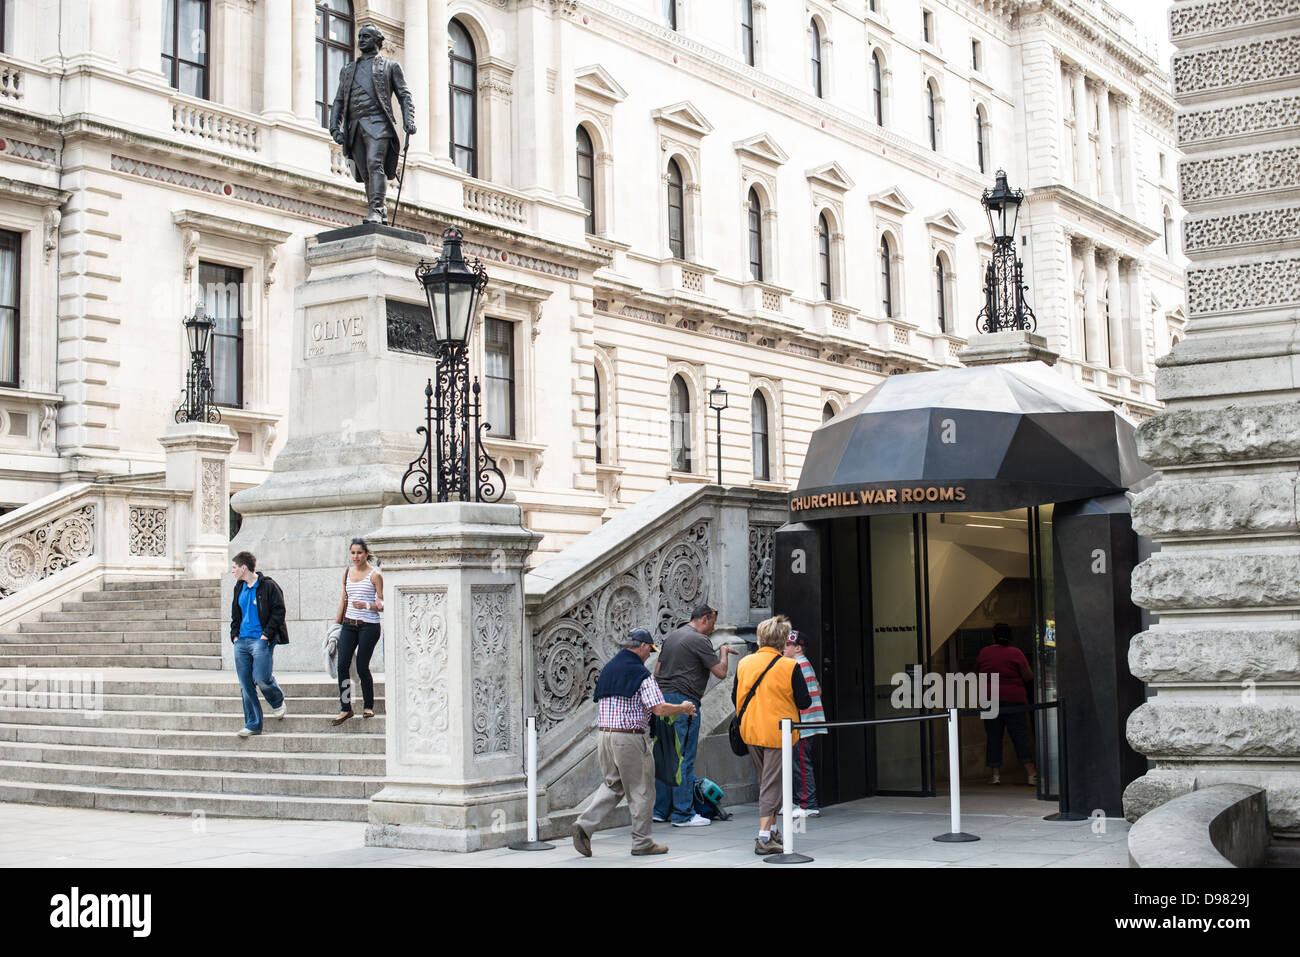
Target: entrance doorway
919, 594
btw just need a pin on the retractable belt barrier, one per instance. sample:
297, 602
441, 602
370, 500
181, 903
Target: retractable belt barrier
956, 834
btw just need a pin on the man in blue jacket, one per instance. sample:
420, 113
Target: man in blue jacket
256, 627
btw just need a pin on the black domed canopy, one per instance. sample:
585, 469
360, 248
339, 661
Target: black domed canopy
977, 439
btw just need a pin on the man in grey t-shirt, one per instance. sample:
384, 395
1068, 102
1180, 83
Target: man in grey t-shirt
686, 659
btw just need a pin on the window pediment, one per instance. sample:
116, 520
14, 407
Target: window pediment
831, 176
762, 148
945, 222
684, 117
891, 201
597, 81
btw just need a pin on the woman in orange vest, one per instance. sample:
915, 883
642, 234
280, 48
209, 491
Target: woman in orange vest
781, 693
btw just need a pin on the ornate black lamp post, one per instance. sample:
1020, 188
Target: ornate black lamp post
442, 470
1005, 308
718, 402
198, 405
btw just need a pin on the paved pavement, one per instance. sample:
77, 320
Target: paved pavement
874, 832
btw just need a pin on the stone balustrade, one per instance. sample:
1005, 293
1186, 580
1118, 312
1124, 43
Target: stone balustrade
217, 127
496, 204
12, 81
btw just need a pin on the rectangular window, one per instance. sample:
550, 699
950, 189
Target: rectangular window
1162, 167
185, 45
975, 55
499, 377
927, 26
222, 288
10, 286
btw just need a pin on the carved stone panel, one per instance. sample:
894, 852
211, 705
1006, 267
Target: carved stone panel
40, 552
493, 613
410, 328
212, 496
760, 565
148, 533
657, 592
422, 619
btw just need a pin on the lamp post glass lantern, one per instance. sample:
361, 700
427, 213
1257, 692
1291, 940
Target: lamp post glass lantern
1005, 308
197, 406
718, 402
441, 472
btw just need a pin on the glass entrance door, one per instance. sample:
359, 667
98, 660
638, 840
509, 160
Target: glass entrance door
900, 647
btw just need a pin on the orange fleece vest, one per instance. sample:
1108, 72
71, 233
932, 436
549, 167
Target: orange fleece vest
773, 701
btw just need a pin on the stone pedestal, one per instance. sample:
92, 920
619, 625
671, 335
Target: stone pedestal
198, 461
994, 348
357, 396
456, 690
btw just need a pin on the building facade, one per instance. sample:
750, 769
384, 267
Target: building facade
781, 199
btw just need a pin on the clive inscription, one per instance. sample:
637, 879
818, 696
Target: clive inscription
327, 337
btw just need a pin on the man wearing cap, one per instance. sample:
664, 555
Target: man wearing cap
626, 695
686, 660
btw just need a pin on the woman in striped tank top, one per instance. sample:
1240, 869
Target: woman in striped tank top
359, 608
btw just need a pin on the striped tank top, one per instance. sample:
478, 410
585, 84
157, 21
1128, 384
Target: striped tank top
364, 592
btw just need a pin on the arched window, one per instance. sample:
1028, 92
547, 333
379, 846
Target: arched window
676, 214
679, 426
747, 30
828, 412
334, 26
979, 139
815, 38
186, 40
942, 292
755, 235
587, 177
758, 431
886, 286
670, 14
464, 104
1169, 228
1105, 311
878, 88
824, 255
930, 116
599, 437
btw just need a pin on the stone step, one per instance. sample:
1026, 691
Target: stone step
355, 765
224, 703
130, 681
184, 802
75, 649
82, 662
118, 626
152, 635
231, 720
93, 598
206, 613
326, 740
169, 584
218, 782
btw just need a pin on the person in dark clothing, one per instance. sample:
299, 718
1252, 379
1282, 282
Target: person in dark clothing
256, 627
1012, 670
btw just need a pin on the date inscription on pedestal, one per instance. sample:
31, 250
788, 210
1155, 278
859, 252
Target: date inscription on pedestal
327, 337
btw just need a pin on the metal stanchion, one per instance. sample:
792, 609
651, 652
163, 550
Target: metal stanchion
788, 856
956, 835
532, 844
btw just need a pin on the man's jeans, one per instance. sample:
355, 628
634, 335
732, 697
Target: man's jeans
253, 665
680, 800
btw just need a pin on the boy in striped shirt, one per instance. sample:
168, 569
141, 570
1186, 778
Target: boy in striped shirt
805, 786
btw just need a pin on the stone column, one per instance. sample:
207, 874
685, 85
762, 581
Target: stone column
1128, 164
567, 161
534, 166
106, 30
457, 654
439, 82
415, 67
1118, 310
146, 38
1105, 140
1137, 316
277, 68
1093, 342
304, 60
1082, 124
198, 461
1226, 580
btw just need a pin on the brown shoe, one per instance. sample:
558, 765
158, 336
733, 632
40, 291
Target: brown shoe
652, 849
764, 848
340, 719
581, 841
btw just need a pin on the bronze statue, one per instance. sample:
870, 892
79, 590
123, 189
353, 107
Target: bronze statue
362, 122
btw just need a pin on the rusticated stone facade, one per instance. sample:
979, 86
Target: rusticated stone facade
1224, 658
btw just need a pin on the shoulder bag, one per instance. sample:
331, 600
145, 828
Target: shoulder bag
738, 745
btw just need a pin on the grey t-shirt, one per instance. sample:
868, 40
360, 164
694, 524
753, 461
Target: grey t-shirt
685, 657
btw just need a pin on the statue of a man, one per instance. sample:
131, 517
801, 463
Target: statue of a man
361, 119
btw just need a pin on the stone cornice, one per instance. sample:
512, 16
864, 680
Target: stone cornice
17, 190
1095, 212
239, 229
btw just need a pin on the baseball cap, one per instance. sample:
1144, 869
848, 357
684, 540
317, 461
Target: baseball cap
639, 636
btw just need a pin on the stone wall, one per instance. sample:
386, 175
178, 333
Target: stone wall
1225, 656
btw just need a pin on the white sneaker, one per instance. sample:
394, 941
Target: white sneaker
696, 821
659, 820
813, 812
280, 711
247, 732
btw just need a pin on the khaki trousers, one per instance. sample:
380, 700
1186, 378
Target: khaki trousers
629, 768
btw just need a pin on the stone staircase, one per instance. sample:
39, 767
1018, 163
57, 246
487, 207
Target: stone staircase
141, 624
164, 741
